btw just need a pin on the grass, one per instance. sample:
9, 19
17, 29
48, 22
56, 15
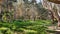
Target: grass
28, 27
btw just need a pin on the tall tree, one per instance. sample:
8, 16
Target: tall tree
53, 8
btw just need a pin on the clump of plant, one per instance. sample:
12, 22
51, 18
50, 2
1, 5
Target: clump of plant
27, 27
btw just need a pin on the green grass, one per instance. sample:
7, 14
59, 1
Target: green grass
28, 27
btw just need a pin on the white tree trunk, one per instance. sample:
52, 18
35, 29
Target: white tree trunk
50, 6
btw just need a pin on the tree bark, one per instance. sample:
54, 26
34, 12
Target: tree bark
55, 1
59, 21
53, 9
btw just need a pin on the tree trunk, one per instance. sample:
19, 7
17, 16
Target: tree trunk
59, 21
53, 9
55, 1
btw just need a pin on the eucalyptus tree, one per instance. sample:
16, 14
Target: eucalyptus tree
54, 8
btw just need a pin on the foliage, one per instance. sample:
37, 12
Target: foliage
28, 27
23, 9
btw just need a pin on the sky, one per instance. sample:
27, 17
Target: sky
39, 1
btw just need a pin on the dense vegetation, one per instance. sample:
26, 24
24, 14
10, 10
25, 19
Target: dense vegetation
27, 16
24, 27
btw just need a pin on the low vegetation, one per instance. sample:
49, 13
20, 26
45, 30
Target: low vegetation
24, 27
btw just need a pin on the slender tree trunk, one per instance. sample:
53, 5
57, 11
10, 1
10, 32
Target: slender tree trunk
52, 17
59, 21
58, 18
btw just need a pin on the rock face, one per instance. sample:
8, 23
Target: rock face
55, 1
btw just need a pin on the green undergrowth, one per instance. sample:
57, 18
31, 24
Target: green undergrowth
25, 27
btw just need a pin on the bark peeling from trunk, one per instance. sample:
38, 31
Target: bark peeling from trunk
50, 5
